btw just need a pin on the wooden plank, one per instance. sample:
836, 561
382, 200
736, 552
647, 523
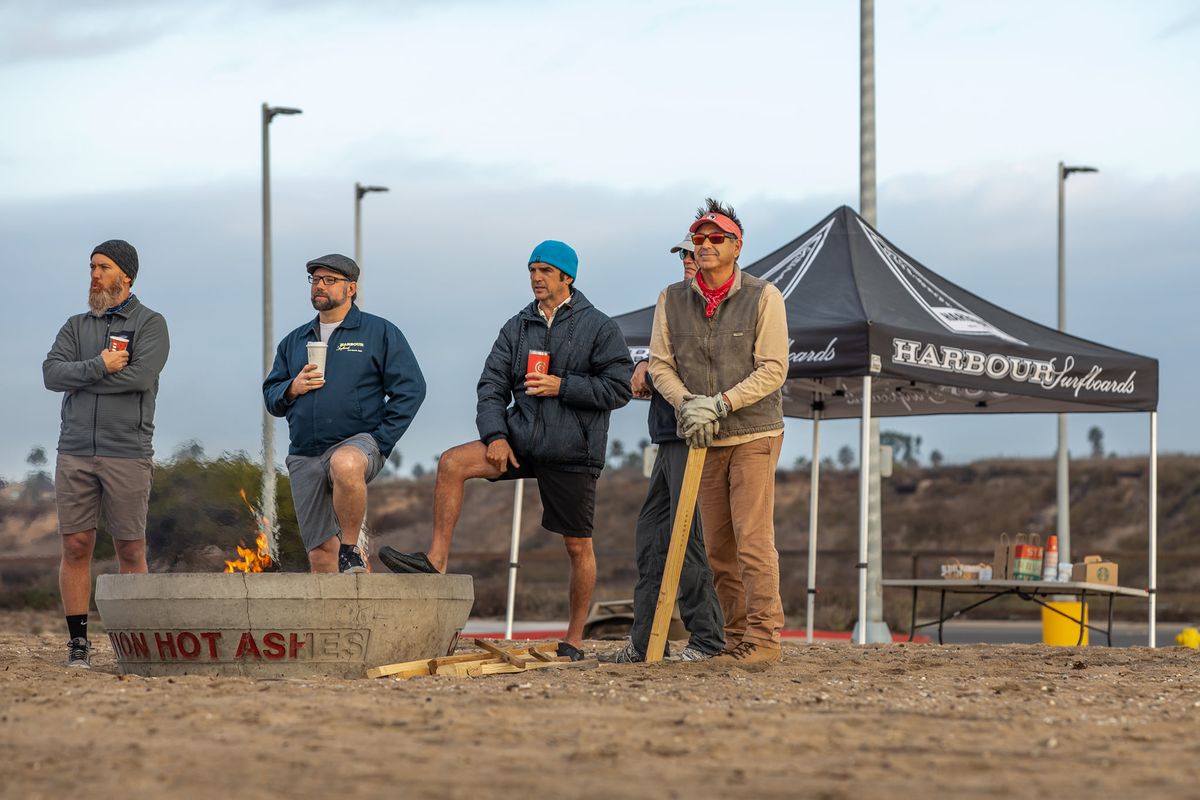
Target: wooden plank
501, 668
404, 666
500, 652
669, 588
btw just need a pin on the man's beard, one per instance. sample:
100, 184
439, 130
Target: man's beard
102, 299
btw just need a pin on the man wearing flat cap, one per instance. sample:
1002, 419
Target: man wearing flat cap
544, 422
344, 421
718, 354
106, 362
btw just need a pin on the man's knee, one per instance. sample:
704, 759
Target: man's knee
462, 461
130, 551
578, 546
348, 465
78, 546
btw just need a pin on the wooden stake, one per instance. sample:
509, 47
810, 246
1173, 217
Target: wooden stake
680, 531
500, 652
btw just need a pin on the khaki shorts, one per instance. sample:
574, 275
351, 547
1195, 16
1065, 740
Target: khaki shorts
120, 487
312, 488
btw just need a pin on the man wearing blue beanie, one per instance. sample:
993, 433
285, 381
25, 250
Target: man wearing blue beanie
555, 374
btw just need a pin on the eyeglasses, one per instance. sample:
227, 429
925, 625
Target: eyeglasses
325, 280
715, 238
685, 254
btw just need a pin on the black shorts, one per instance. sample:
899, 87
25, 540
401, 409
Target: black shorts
568, 498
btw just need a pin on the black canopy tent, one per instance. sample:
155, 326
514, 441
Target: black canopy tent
875, 333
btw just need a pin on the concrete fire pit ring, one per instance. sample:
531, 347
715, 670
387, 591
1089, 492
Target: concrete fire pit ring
279, 624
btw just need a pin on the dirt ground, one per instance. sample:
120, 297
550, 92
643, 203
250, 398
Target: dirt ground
831, 721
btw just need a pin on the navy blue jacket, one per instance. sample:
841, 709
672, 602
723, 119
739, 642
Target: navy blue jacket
588, 352
372, 385
661, 419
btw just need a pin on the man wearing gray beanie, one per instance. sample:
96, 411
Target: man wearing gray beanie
106, 362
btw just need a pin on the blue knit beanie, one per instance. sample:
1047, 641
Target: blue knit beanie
556, 254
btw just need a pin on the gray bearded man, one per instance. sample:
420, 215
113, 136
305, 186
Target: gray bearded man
106, 362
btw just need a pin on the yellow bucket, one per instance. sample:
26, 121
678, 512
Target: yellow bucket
1057, 630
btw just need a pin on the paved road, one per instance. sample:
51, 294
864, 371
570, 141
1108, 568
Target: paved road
1125, 634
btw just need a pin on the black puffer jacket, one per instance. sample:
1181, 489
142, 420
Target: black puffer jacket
588, 352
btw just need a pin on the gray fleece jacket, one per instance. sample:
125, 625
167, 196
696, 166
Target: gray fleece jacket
103, 414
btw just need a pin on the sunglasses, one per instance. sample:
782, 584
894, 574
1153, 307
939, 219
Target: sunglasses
685, 254
715, 238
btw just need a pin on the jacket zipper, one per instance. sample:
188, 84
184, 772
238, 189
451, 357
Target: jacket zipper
96, 402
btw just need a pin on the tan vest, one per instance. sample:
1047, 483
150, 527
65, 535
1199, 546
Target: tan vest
714, 355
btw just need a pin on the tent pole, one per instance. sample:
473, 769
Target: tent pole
864, 501
513, 555
1153, 588
813, 495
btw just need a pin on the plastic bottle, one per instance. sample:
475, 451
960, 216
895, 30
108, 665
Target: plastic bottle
1050, 562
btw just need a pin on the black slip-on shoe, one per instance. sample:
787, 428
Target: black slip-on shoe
410, 563
571, 651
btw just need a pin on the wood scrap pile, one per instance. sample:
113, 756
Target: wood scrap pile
494, 660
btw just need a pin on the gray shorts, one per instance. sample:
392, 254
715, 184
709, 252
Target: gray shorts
312, 488
120, 487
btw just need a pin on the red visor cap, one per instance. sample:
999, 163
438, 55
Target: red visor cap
721, 221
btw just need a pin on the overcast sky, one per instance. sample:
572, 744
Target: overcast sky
499, 124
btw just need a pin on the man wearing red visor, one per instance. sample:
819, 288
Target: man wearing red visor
718, 354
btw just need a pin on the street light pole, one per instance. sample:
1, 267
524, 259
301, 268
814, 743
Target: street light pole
267, 496
870, 627
1064, 491
359, 191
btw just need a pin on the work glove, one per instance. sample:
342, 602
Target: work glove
702, 434
697, 409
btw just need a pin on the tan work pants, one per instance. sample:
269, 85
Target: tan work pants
737, 507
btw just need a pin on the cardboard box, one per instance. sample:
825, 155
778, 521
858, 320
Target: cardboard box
1095, 570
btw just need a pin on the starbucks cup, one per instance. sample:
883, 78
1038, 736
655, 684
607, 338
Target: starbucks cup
539, 361
316, 355
118, 343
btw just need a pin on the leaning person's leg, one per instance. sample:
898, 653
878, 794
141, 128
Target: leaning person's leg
752, 501
351, 465
650, 547
720, 543
312, 498
455, 467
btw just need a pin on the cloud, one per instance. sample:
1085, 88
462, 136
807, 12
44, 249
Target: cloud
444, 256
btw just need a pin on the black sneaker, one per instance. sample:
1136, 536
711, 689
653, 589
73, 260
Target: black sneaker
350, 560
79, 653
410, 563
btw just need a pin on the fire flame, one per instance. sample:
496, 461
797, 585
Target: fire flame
259, 558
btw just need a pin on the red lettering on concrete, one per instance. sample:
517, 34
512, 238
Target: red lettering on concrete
140, 648
247, 645
274, 647
123, 640
116, 643
168, 644
211, 637
295, 644
189, 645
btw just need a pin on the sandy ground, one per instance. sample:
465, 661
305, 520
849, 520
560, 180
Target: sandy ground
831, 721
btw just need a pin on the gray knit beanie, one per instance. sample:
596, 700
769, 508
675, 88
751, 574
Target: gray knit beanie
123, 254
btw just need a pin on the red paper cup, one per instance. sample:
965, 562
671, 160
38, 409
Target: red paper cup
118, 343
539, 361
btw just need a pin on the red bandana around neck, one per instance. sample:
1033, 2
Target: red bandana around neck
713, 297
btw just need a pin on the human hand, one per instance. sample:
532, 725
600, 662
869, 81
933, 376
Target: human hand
639, 384
701, 435
539, 384
697, 409
307, 380
500, 455
114, 360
